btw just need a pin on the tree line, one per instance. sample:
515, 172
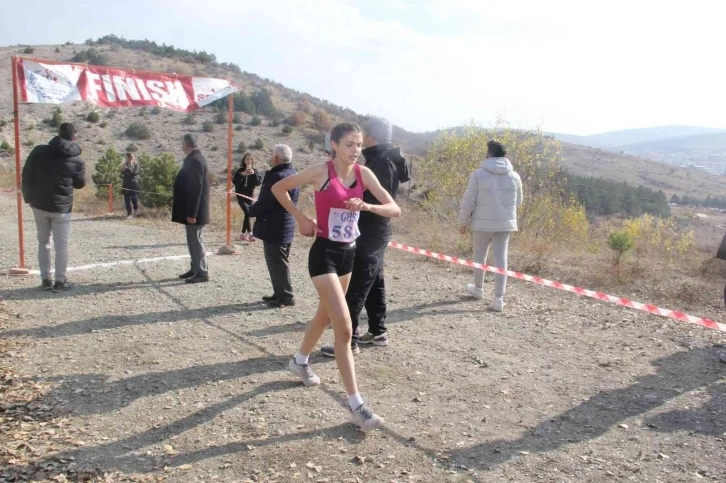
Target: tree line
604, 197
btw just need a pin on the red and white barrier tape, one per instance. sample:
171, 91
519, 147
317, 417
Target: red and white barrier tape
11, 190
651, 309
242, 196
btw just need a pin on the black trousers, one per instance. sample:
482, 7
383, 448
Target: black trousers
367, 288
246, 227
278, 264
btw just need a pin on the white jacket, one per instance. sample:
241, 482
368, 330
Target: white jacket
491, 200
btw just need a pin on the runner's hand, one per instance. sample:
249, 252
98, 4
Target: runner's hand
357, 204
308, 227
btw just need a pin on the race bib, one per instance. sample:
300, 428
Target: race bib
343, 225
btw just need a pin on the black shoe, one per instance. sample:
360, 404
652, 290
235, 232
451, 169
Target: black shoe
277, 303
62, 286
46, 285
268, 298
196, 278
188, 274
329, 350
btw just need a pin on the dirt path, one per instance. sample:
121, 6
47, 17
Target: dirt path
189, 382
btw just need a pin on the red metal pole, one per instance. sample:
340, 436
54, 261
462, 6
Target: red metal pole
110, 199
230, 108
21, 269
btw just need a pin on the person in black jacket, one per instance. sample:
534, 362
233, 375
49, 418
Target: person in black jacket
130, 185
245, 180
275, 226
367, 287
190, 206
51, 173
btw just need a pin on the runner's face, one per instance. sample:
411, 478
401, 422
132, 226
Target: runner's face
349, 148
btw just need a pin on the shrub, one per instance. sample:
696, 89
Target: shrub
28, 50
157, 177
275, 122
238, 127
190, 119
57, 50
3, 123
241, 147
5, 146
56, 120
92, 56
111, 114
286, 129
142, 111
236, 119
297, 118
138, 130
207, 126
321, 121
311, 145
103, 124
620, 242
214, 148
258, 144
255, 121
156, 110
93, 116
108, 168
221, 118
132, 148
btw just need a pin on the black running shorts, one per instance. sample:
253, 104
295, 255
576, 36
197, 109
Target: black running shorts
330, 257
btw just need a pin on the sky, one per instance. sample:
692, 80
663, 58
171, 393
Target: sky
577, 67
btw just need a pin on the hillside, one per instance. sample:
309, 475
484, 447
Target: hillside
167, 127
615, 139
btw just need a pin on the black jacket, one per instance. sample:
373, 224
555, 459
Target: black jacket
191, 190
246, 184
389, 166
274, 224
51, 173
130, 175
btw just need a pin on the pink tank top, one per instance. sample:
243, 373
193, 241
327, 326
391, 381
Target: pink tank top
335, 222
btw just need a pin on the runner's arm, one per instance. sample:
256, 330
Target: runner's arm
388, 207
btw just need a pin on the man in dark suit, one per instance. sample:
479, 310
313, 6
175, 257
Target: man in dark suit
276, 227
190, 206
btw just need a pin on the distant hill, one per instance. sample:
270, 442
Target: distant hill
617, 139
306, 139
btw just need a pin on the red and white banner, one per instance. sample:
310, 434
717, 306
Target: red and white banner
50, 82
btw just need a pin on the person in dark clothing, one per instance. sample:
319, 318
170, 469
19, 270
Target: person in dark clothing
275, 226
51, 173
245, 180
190, 206
367, 288
130, 185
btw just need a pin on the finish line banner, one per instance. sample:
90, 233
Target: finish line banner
50, 82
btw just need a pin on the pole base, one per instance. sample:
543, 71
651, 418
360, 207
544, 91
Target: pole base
18, 272
228, 250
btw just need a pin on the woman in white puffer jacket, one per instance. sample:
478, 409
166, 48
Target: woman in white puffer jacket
490, 204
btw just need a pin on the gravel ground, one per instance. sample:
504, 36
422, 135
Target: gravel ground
188, 383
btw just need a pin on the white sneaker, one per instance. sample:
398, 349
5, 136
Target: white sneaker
474, 291
304, 372
129, 217
365, 419
497, 305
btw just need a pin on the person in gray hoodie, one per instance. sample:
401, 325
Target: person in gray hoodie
490, 205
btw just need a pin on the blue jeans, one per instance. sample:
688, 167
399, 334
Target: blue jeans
129, 199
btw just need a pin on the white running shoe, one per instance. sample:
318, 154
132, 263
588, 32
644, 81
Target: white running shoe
497, 305
304, 372
474, 291
365, 419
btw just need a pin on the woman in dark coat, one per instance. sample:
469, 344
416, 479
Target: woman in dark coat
130, 185
246, 179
